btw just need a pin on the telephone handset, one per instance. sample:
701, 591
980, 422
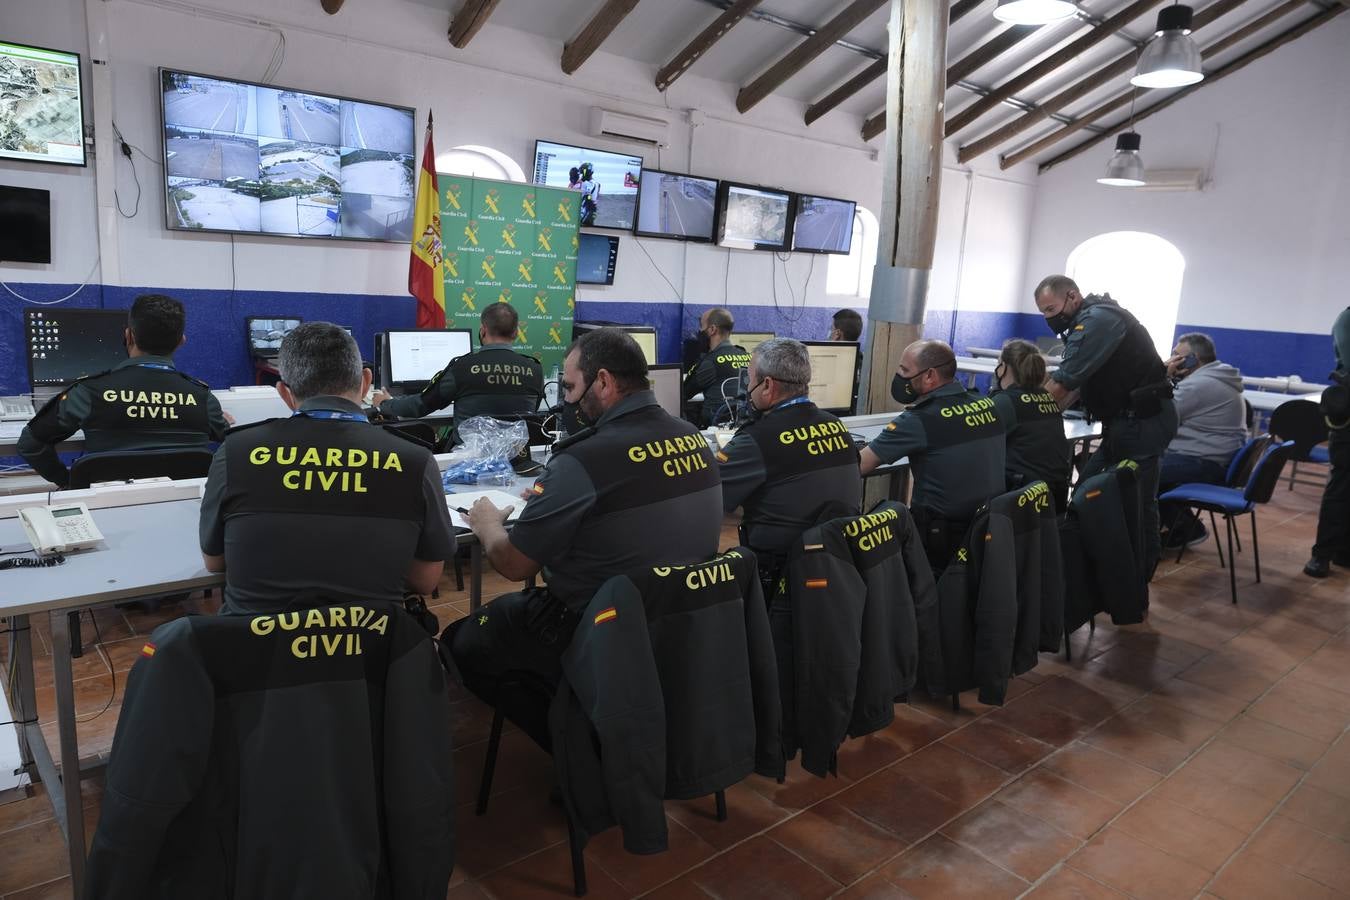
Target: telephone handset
60, 528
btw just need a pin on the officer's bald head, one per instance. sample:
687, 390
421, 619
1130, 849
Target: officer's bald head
320, 359
921, 356
500, 321
720, 319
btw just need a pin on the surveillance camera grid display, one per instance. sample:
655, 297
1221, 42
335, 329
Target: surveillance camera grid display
266, 335
608, 182
597, 255
823, 225
252, 158
677, 206
755, 219
65, 345
41, 115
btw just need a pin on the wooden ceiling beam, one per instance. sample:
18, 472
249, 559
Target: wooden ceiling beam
1321, 18
1060, 57
470, 17
601, 26
796, 58
700, 45
1106, 73
960, 8
845, 90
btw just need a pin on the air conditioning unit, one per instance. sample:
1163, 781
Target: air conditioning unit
1173, 180
628, 127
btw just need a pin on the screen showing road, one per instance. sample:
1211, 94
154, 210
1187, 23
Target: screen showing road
41, 116
823, 225
597, 255
676, 206
257, 158
608, 182
755, 219
416, 356
66, 344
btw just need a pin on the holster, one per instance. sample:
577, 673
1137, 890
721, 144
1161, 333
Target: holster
1146, 401
548, 618
940, 537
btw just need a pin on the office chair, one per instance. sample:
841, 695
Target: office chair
1301, 421
124, 465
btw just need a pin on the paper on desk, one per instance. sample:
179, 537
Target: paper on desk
466, 499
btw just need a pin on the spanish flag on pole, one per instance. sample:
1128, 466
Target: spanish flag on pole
426, 282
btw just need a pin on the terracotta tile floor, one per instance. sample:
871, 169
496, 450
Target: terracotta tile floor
1203, 754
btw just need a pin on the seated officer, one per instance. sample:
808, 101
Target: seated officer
794, 465
323, 500
717, 373
638, 488
141, 404
847, 326
1036, 448
954, 440
494, 381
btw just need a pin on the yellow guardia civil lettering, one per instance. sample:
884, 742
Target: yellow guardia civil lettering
818, 439
311, 646
682, 455
872, 530
150, 404
325, 469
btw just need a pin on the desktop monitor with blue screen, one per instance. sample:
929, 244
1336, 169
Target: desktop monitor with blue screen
835, 368
413, 357
63, 345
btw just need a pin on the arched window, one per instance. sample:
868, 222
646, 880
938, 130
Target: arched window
479, 162
851, 276
1140, 271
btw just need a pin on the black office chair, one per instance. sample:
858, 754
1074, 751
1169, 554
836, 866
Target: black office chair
1301, 421
419, 431
124, 465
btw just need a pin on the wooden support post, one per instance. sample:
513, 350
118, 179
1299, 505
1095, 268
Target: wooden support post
470, 17
681, 61
911, 179
600, 27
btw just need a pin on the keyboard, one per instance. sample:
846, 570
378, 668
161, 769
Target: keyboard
16, 409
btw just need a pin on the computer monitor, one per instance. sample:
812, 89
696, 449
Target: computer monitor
414, 357
667, 383
677, 206
751, 339
823, 225
26, 222
754, 218
63, 345
265, 334
597, 255
834, 375
645, 335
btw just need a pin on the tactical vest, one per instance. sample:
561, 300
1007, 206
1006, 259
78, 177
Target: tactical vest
312, 466
1134, 364
148, 400
804, 440
498, 374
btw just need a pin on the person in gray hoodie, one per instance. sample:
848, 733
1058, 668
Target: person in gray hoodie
1213, 425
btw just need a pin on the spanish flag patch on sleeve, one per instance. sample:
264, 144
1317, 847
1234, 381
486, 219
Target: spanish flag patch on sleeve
606, 615
817, 582
721, 457
536, 489
148, 650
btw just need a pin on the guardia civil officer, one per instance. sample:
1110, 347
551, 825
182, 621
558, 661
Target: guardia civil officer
143, 403
493, 381
1333, 519
1036, 448
638, 488
1110, 364
323, 500
954, 440
795, 464
846, 325
717, 373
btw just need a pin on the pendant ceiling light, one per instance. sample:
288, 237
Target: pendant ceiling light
1033, 12
1171, 58
1126, 168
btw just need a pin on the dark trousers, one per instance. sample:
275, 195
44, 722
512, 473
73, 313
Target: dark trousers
1144, 441
940, 538
1178, 469
1333, 521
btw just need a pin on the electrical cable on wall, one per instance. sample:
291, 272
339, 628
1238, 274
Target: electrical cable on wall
675, 290
81, 287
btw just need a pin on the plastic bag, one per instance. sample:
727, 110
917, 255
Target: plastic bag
490, 446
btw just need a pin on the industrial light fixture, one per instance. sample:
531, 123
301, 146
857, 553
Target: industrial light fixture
1171, 58
1126, 168
1033, 12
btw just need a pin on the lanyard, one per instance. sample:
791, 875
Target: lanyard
164, 366
793, 402
340, 414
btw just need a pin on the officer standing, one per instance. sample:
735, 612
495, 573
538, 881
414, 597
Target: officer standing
717, 373
795, 464
1036, 447
954, 440
1333, 519
323, 500
638, 488
1109, 362
494, 381
143, 403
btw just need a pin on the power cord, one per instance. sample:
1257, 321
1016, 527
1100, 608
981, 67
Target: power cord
126, 151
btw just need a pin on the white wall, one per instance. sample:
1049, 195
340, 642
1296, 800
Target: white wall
505, 90
1267, 244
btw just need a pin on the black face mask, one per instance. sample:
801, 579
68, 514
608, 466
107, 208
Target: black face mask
1060, 322
571, 418
902, 389
996, 384
704, 342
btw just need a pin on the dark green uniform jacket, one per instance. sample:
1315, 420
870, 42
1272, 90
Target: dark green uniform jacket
300, 755
1103, 550
494, 381
792, 468
669, 691
143, 403
1108, 355
1036, 449
716, 376
852, 617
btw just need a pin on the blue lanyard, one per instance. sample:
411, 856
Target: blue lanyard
164, 366
793, 402
343, 415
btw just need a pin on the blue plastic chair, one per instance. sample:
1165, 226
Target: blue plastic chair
1231, 502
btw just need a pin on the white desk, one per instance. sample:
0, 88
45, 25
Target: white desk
1266, 401
1286, 384
994, 353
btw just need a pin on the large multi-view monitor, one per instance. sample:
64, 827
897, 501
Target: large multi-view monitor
754, 218
41, 113
262, 159
823, 225
676, 206
608, 182
63, 345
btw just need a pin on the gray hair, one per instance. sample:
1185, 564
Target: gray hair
786, 361
1201, 345
319, 359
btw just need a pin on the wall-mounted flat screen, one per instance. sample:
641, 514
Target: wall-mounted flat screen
263, 159
597, 254
608, 182
26, 223
676, 206
41, 113
823, 225
754, 218
63, 345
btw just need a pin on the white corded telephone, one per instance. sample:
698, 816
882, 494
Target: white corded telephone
59, 529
